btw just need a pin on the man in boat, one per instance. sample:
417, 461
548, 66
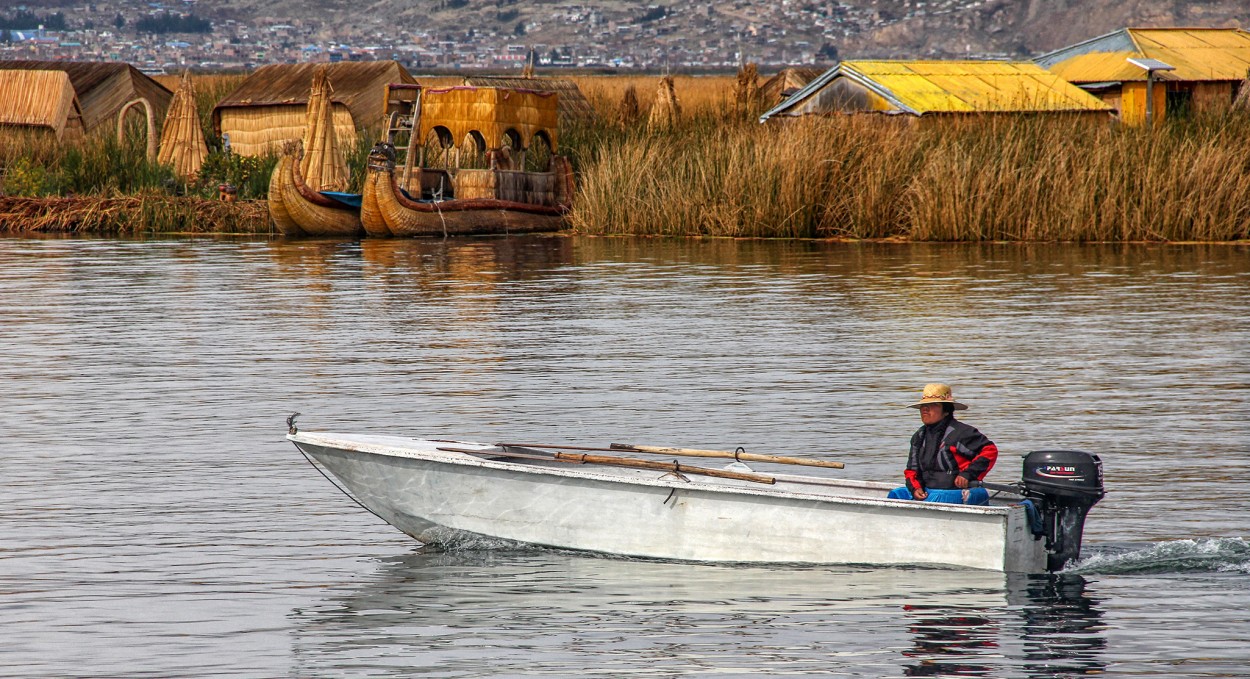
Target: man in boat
946, 454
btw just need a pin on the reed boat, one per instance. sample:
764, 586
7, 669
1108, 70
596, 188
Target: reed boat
463, 169
388, 211
297, 210
443, 491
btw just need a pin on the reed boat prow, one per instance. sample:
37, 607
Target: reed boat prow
430, 489
297, 210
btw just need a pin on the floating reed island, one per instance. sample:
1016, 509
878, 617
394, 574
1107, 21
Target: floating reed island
132, 215
680, 156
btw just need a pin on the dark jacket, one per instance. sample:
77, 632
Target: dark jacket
961, 451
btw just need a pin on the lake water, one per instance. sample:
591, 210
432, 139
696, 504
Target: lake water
155, 523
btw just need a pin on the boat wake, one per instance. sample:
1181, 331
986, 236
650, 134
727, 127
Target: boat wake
452, 540
1211, 555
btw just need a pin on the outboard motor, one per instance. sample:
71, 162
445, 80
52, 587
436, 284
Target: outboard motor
1064, 484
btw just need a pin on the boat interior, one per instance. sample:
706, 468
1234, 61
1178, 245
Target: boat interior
760, 476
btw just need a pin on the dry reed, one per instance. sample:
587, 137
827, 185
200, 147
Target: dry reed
1037, 178
666, 110
630, 110
182, 136
131, 215
747, 91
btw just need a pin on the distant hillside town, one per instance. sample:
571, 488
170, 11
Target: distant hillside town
167, 37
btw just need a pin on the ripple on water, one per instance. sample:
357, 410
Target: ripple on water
156, 524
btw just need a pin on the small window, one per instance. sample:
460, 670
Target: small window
1180, 103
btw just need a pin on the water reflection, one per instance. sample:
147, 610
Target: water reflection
577, 615
1064, 633
948, 642
1059, 632
146, 383
496, 612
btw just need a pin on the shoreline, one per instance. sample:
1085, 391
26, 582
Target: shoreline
163, 215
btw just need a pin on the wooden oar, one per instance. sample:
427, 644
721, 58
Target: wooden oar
502, 449
664, 466
688, 452
745, 457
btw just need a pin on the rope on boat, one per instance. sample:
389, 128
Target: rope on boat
291, 428
336, 485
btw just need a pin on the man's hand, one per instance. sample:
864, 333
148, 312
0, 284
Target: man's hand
961, 482
920, 494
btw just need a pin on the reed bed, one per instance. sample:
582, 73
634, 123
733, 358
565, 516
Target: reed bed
1016, 178
715, 172
698, 94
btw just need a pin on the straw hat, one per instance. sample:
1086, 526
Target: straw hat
938, 393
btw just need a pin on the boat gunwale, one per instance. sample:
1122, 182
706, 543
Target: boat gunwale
464, 204
325, 439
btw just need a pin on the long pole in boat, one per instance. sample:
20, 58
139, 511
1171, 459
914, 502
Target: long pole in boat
689, 452
741, 456
412, 141
513, 450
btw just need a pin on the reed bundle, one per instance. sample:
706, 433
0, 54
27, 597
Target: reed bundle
629, 111
128, 215
666, 111
182, 137
323, 165
747, 90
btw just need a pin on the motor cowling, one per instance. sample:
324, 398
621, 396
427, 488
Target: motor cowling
1064, 484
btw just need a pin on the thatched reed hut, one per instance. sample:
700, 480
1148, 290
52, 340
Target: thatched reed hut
938, 89
105, 89
1198, 69
269, 108
182, 138
574, 107
38, 104
787, 81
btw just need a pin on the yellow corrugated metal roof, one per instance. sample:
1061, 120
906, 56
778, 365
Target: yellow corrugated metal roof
1196, 53
1099, 67
974, 86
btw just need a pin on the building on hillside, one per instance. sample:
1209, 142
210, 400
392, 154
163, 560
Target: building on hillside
573, 105
37, 105
937, 88
104, 89
268, 109
1193, 68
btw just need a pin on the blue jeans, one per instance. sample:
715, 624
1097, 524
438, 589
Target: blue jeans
954, 496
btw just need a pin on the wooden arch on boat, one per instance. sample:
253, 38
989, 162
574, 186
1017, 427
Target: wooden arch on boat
492, 113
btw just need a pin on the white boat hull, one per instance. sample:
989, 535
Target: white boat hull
431, 494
